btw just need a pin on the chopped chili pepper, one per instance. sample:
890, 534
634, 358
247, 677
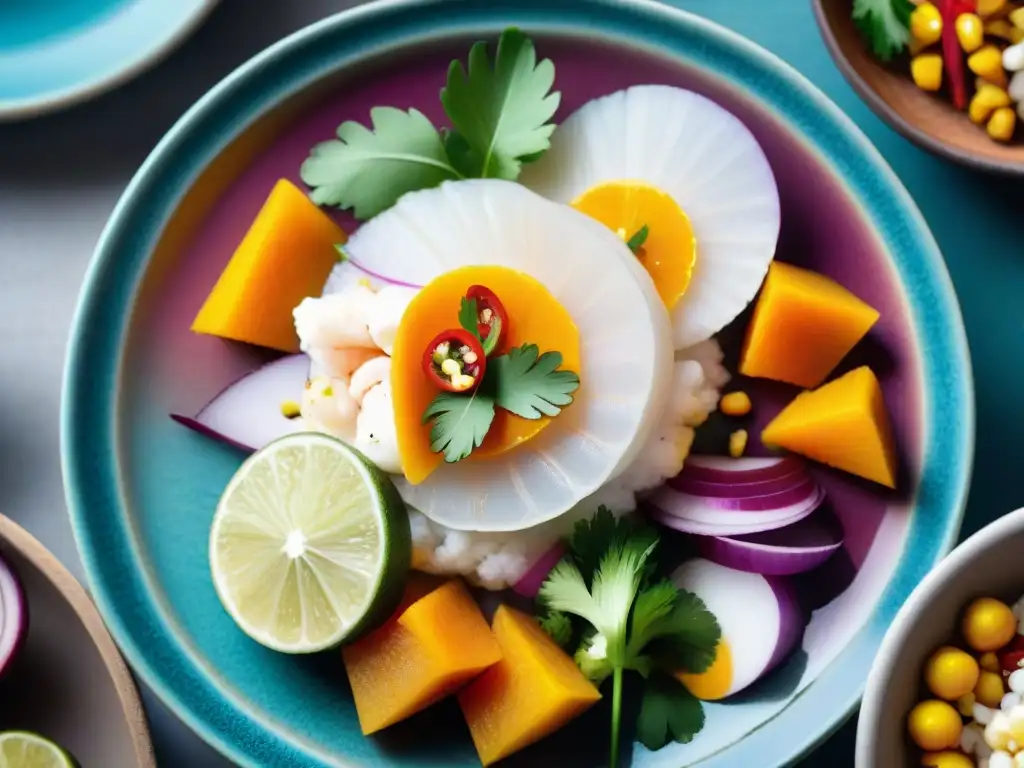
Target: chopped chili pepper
492, 319
1010, 662
952, 55
455, 361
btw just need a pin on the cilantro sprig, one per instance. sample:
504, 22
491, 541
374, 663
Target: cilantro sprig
606, 593
522, 382
500, 111
885, 25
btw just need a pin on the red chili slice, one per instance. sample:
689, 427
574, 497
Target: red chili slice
1010, 662
492, 319
449, 345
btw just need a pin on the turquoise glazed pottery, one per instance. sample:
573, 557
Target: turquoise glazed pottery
58, 52
142, 489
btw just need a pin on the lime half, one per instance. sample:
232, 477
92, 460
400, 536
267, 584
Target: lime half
310, 544
21, 749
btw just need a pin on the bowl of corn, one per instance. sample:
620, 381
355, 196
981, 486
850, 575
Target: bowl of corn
946, 74
947, 686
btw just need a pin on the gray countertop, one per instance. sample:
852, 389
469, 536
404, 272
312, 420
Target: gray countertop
60, 176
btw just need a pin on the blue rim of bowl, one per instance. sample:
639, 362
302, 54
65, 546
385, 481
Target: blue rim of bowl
96, 84
909, 615
89, 409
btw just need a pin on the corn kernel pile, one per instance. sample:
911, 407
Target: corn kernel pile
976, 718
992, 40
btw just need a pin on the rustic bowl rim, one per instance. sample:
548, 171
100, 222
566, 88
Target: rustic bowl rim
893, 119
29, 548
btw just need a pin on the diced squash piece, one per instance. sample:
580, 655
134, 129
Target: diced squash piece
804, 324
532, 692
285, 257
535, 317
843, 424
430, 650
669, 250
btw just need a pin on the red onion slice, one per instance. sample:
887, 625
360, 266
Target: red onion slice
529, 584
13, 614
367, 271
686, 484
757, 522
721, 469
796, 548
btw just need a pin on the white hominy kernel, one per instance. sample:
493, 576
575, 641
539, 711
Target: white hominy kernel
1018, 760
997, 733
1016, 91
1013, 58
1009, 701
1011, 747
1000, 759
971, 738
1016, 681
982, 714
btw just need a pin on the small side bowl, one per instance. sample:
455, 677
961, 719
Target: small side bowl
928, 120
67, 681
986, 564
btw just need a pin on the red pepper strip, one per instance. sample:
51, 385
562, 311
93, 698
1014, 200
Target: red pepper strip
952, 54
456, 338
492, 332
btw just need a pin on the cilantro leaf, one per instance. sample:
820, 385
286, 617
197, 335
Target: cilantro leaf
684, 639
368, 170
530, 386
668, 712
459, 423
469, 317
499, 113
885, 24
591, 538
558, 626
636, 242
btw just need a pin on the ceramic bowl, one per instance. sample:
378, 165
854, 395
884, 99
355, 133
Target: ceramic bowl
68, 682
60, 52
986, 564
142, 489
925, 119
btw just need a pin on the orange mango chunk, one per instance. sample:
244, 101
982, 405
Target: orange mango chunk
535, 317
844, 424
670, 249
532, 692
430, 650
804, 324
285, 257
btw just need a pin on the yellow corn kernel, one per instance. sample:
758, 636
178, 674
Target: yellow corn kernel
965, 704
1002, 124
988, 63
970, 31
290, 409
990, 7
1017, 18
735, 404
989, 662
987, 99
926, 69
926, 24
1000, 28
737, 443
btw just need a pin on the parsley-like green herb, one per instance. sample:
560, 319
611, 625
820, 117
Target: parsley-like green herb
368, 170
529, 385
469, 317
558, 626
636, 242
634, 621
885, 25
668, 712
500, 114
459, 422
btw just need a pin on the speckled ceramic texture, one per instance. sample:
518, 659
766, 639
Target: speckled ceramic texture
142, 489
58, 52
68, 682
987, 564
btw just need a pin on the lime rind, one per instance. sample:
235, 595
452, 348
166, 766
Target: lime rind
310, 545
24, 749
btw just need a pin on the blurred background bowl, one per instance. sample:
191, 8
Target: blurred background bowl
986, 564
68, 682
928, 120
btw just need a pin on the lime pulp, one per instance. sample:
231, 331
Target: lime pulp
21, 749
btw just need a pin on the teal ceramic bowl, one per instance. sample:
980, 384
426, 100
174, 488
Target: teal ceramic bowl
142, 489
58, 52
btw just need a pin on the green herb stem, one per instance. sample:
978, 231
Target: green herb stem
613, 759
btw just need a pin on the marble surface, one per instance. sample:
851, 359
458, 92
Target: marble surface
61, 175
